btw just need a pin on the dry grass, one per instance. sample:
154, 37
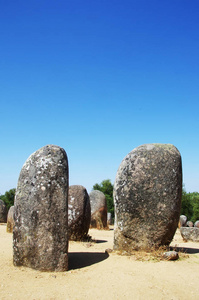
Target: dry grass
152, 255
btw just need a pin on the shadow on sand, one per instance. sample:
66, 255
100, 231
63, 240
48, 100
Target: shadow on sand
78, 260
100, 241
185, 250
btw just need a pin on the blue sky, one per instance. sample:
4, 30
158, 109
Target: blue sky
98, 78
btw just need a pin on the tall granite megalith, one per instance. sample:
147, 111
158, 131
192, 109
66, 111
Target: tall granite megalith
147, 197
41, 211
79, 212
98, 210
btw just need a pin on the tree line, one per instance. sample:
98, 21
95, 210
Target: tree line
8, 198
189, 205
105, 187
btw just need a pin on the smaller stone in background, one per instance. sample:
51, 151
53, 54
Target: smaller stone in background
196, 224
10, 219
79, 213
189, 224
3, 212
183, 220
98, 210
109, 218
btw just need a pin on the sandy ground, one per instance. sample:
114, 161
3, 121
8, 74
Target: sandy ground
94, 274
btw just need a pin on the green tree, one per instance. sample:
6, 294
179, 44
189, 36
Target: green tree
195, 204
186, 205
106, 187
8, 198
190, 205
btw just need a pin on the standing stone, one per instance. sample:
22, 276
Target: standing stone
79, 212
183, 221
98, 210
109, 218
147, 197
196, 224
41, 211
189, 224
10, 219
3, 212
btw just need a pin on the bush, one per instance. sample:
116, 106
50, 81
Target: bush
8, 198
190, 205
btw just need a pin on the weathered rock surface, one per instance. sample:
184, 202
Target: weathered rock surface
183, 221
109, 218
190, 234
98, 210
196, 224
189, 224
147, 197
41, 211
79, 212
171, 255
10, 219
3, 212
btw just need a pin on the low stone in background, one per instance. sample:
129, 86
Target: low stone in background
189, 224
196, 224
190, 234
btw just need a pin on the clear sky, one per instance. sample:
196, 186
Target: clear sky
98, 78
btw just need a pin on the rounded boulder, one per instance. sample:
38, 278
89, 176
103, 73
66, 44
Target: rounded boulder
189, 224
147, 197
183, 221
196, 224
